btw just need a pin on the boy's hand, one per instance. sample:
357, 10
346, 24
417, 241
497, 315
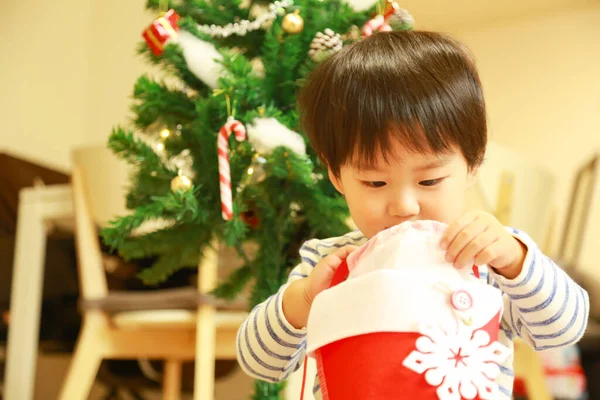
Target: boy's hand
480, 238
298, 297
321, 276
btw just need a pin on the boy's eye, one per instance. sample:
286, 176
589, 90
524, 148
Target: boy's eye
375, 184
430, 182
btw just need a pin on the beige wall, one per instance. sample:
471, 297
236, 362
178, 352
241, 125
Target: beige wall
67, 72
542, 81
44, 77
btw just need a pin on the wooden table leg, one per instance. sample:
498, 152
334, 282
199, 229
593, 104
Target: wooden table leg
36, 206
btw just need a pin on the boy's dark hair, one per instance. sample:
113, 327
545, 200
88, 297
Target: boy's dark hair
420, 88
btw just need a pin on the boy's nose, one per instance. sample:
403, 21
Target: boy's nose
403, 205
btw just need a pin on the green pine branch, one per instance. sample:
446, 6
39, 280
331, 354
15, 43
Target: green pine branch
157, 102
178, 258
268, 391
241, 83
134, 150
181, 207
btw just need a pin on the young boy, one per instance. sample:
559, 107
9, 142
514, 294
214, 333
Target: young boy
399, 119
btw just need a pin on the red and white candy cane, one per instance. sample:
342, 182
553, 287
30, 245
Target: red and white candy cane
376, 24
231, 126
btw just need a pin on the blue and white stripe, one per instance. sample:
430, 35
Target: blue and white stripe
543, 305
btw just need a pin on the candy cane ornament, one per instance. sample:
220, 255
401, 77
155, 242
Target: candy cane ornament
231, 126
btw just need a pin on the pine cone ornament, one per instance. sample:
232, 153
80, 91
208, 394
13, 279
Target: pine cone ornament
401, 20
324, 45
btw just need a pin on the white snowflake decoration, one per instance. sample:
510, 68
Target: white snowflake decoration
460, 363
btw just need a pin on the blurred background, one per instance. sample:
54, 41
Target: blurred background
67, 73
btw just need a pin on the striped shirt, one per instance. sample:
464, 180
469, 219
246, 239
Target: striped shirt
543, 306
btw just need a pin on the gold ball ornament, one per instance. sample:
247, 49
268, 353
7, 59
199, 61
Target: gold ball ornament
293, 23
181, 183
256, 172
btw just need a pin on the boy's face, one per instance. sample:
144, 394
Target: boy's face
411, 187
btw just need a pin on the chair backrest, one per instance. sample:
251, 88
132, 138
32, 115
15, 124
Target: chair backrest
578, 213
99, 188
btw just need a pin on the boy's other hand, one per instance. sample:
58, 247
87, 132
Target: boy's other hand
479, 238
298, 297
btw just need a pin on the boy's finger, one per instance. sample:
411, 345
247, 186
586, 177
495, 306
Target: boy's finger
334, 260
468, 255
490, 255
455, 228
463, 238
342, 253
345, 251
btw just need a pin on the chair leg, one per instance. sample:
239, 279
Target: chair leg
172, 380
84, 366
528, 366
535, 383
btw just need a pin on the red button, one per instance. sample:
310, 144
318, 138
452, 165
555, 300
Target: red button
462, 300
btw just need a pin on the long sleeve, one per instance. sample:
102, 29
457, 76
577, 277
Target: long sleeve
268, 347
542, 305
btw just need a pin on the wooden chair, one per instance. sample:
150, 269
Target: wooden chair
170, 325
578, 215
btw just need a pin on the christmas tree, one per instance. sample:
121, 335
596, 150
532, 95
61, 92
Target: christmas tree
237, 67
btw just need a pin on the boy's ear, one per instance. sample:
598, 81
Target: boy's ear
337, 183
